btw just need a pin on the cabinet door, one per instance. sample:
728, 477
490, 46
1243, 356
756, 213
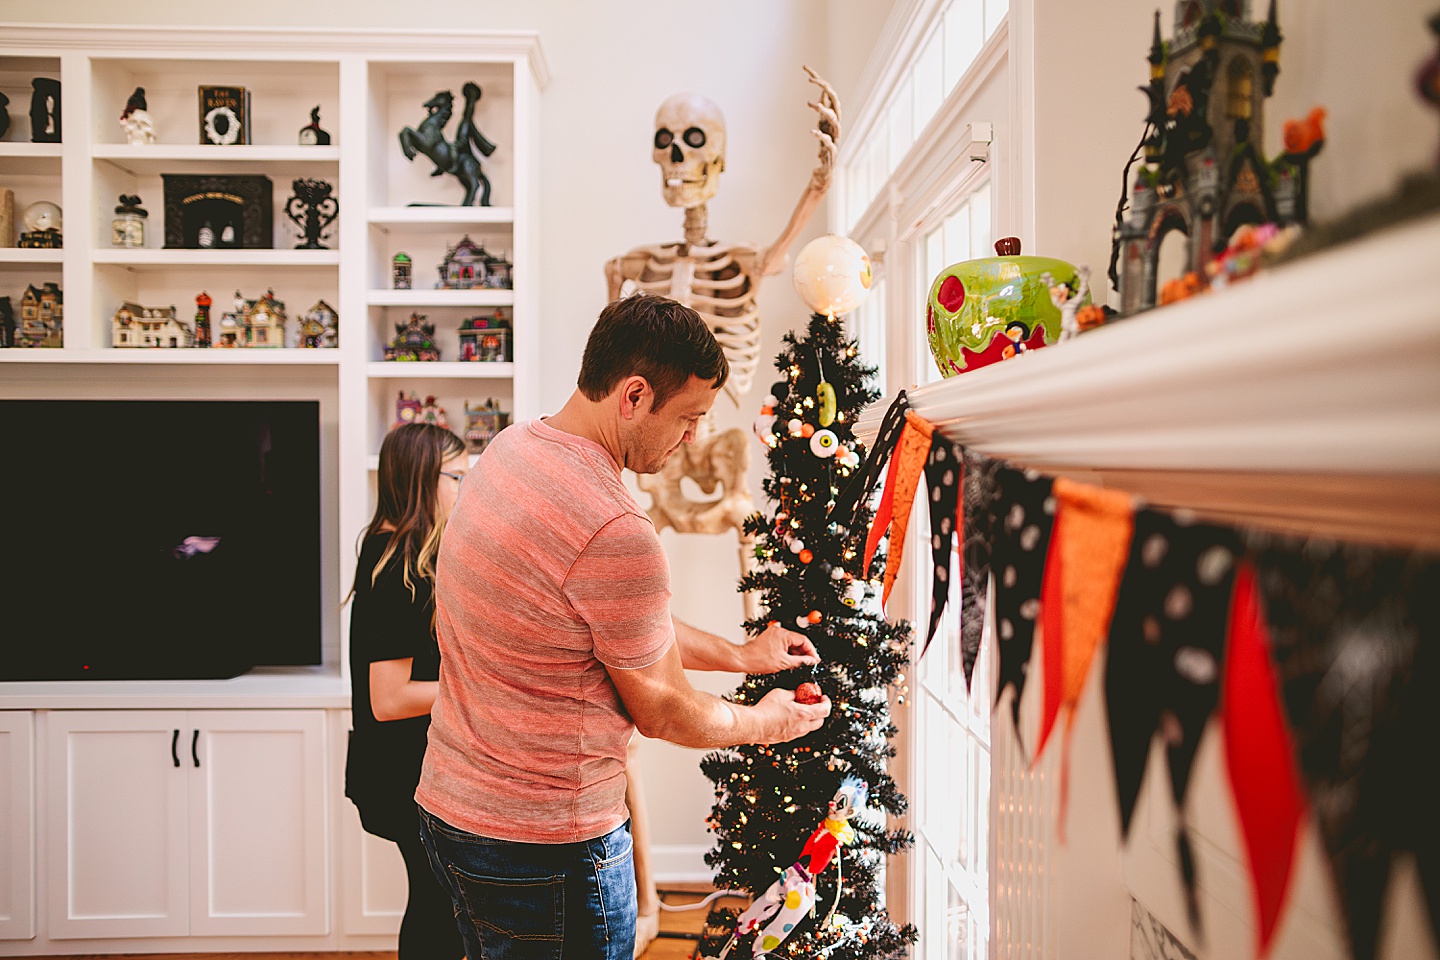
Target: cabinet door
257, 822
17, 825
372, 883
117, 857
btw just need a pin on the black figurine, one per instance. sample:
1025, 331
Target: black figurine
454, 158
7, 323
311, 135
312, 209
4, 114
45, 111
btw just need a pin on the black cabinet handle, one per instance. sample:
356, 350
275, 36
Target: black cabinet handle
194, 744
175, 748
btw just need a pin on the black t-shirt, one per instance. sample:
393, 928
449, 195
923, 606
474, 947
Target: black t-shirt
383, 763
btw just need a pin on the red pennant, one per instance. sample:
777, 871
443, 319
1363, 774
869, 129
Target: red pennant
1259, 757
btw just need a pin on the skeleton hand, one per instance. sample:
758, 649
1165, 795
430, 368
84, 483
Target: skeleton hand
827, 106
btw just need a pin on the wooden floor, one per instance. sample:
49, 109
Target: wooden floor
679, 934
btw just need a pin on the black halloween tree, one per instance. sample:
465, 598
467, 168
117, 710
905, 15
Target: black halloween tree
771, 799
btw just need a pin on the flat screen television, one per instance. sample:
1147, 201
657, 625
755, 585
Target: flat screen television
158, 539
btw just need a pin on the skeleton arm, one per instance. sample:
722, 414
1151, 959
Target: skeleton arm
827, 132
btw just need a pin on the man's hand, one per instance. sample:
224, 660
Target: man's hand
777, 649
783, 718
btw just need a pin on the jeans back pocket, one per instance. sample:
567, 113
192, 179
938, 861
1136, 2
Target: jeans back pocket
515, 917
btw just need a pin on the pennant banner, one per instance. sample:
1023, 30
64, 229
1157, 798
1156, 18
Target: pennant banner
1195, 618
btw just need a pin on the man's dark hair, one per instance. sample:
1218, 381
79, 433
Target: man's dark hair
653, 337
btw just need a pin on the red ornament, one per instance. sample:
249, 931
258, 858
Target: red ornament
952, 294
806, 556
807, 429
808, 692
815, 616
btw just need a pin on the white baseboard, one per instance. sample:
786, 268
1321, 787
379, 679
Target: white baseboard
681, 863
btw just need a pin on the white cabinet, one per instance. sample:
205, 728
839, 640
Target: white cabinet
17, 825
174, 823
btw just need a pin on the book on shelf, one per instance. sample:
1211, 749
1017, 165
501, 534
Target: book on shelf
224, 115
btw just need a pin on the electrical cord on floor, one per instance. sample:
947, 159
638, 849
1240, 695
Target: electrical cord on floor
678, 908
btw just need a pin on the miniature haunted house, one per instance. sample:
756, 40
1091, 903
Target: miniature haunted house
1204, 172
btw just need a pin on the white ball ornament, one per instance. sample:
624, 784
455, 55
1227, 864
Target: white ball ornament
823, 443
833, 275
797, 545
802, 621
795, 426
765, 427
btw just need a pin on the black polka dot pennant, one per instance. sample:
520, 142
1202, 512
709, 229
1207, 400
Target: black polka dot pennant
1166, 648
848, 505
944, 476
980, 491
1022, 517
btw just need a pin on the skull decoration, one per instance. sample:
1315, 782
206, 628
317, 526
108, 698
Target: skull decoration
690, 149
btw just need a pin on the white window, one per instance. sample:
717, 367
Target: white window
931, 213
951, 726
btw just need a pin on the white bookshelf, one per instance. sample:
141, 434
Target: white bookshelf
442, 298
368, 85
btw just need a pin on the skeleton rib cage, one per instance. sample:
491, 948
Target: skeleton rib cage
717, 282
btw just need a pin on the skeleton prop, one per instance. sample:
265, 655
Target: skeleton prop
793, 895
719, 280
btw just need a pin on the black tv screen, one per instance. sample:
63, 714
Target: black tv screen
158, 539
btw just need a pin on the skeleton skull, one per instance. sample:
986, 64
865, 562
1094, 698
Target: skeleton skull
690, 148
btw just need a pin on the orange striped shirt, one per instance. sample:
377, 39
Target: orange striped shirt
548, 573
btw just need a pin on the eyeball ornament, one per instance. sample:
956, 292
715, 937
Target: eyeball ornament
823, 443
833, 275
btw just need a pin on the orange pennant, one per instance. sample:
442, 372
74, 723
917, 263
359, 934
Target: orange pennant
1091, 555
910, 453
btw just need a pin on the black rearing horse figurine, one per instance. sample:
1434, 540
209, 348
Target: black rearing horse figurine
455, 158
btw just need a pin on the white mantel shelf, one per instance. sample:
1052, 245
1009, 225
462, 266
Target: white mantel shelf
271, 687
1307, 397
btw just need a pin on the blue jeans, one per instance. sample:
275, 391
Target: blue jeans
537, 901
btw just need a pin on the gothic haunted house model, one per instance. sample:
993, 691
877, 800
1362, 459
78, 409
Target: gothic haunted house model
42, 317
1204, 172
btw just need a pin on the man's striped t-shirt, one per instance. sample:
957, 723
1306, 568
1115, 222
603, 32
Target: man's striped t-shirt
549, 572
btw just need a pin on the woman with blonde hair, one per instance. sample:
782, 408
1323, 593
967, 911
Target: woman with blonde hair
394, 665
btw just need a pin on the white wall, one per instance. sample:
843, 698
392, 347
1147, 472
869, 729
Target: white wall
611, 65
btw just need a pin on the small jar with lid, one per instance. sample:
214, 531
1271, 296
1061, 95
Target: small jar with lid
128, 227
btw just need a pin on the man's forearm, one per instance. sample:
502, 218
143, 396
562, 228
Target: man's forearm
706, 722
706, 651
